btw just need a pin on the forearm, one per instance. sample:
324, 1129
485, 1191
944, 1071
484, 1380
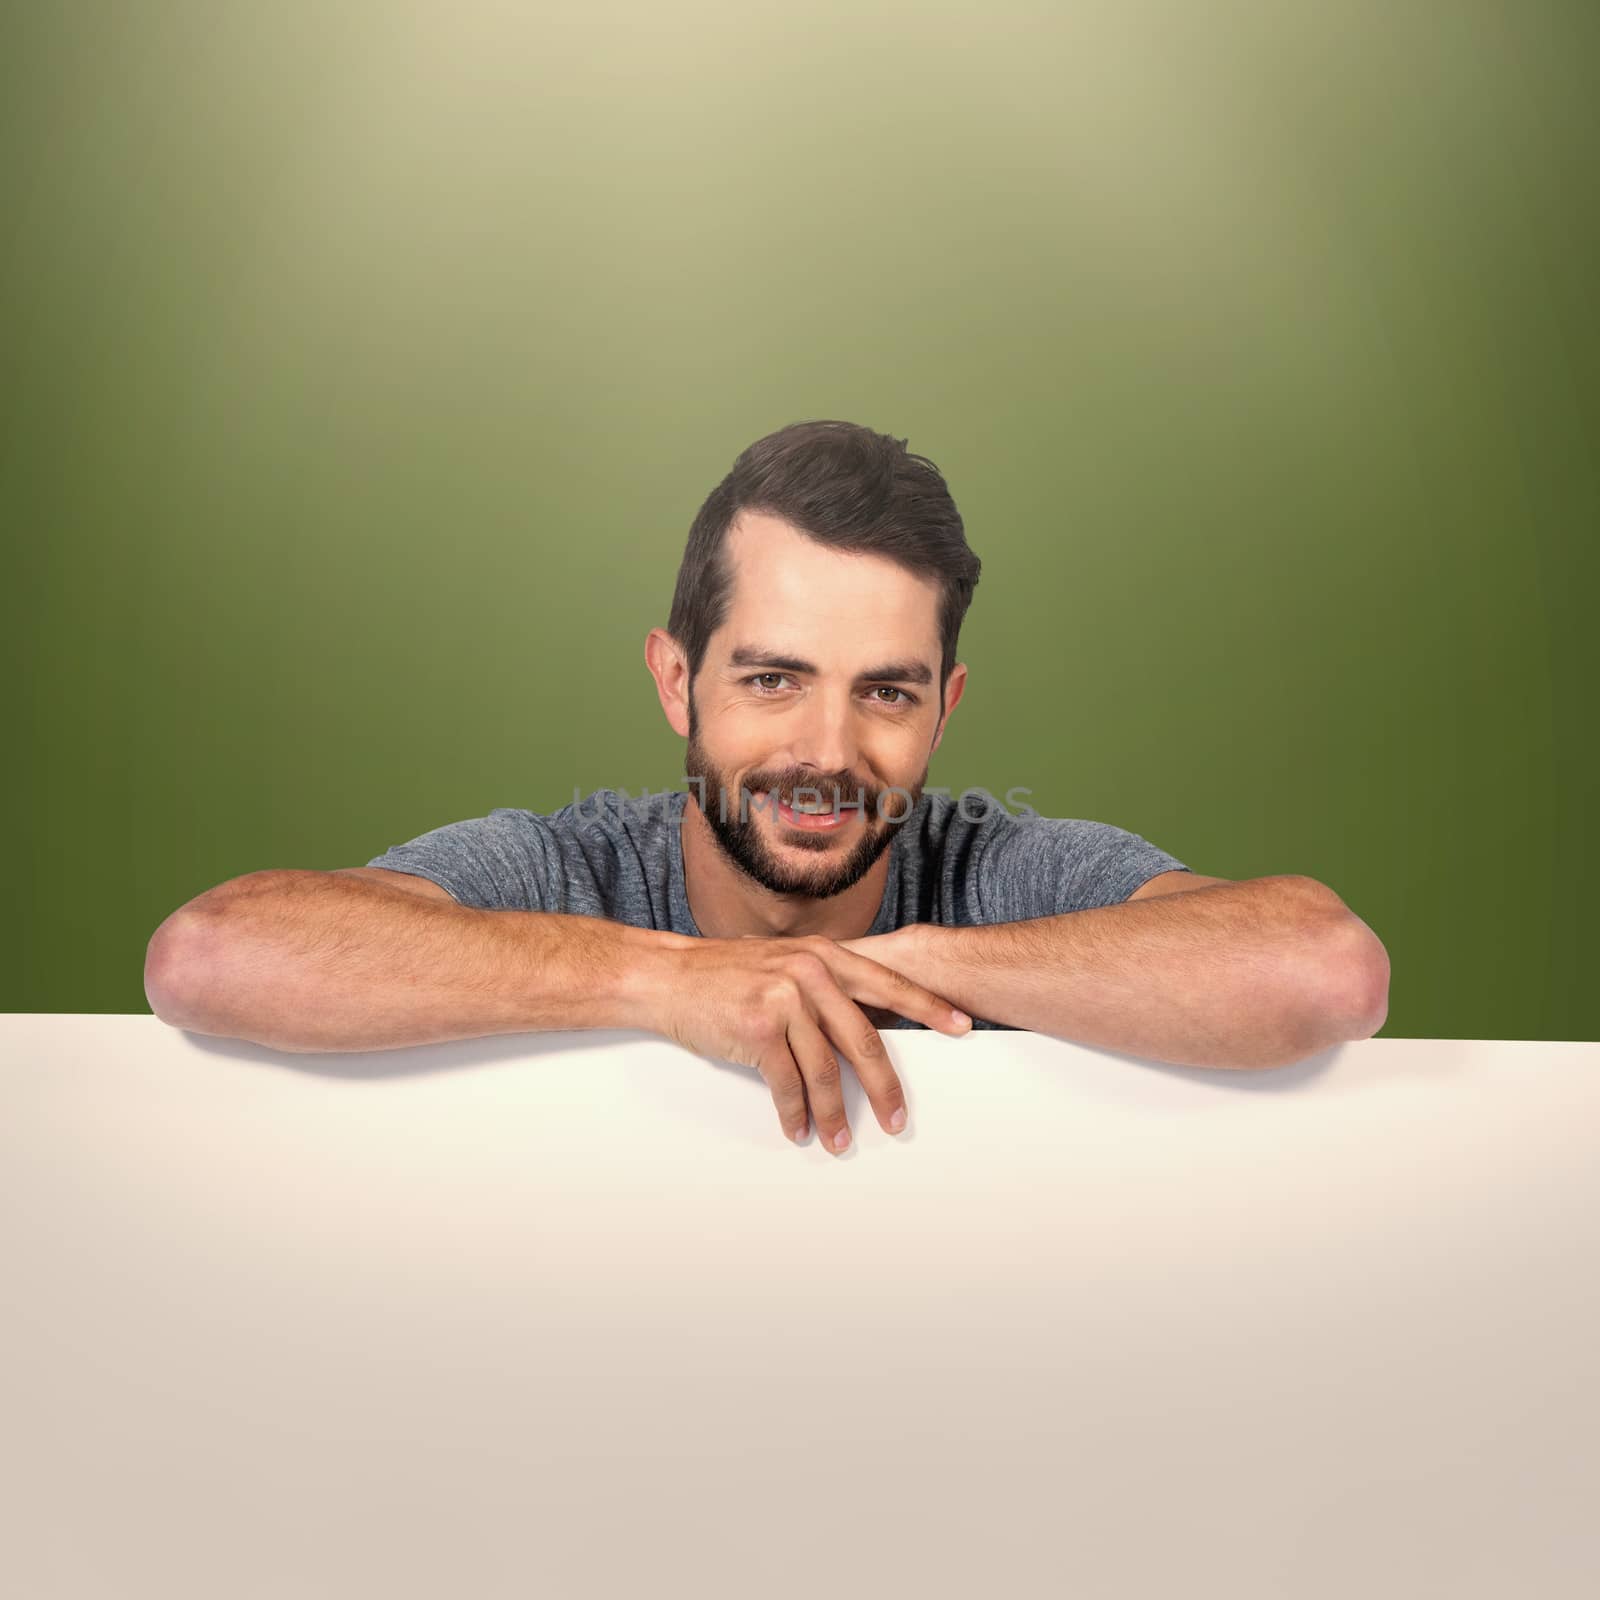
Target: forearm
313, 961
1251, 974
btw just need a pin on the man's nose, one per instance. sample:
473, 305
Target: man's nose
825, 739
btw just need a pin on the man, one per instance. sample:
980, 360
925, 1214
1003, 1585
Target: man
807, 887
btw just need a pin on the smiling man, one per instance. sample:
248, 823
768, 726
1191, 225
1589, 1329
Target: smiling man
806, 888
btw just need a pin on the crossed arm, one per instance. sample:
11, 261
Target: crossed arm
1198, 971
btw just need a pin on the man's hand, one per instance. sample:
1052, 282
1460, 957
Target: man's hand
787, 1007
892, 950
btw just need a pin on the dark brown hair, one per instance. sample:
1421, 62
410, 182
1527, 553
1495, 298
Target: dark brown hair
844, 486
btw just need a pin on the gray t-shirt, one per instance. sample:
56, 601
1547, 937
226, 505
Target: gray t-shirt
962, 862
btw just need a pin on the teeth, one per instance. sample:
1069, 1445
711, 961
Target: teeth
823, 808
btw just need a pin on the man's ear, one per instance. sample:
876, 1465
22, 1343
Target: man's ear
669, 666
955, 684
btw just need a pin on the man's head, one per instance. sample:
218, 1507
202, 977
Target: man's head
812, 644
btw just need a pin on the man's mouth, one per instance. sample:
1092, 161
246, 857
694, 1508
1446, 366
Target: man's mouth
816, 816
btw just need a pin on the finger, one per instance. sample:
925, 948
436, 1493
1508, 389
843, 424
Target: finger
782, 1077
853, 1032
862, 978
819, 1065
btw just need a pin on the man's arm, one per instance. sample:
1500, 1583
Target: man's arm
309, 961
1257, 973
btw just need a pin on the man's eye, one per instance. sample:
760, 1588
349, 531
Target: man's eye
906, 698
757, 681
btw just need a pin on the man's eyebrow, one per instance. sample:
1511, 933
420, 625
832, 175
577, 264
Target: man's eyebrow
754, 655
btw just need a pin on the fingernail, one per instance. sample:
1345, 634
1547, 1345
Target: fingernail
799, 1134
841, 1139
961, 1019
897, 1120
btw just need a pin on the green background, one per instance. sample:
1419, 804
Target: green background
366, 364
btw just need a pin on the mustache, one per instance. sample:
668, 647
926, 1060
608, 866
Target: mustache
832, 793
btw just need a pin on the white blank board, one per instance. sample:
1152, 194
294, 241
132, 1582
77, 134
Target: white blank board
564, 1314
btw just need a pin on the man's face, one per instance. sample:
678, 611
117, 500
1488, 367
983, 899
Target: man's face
825, 674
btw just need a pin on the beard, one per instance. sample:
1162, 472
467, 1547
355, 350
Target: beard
817, 865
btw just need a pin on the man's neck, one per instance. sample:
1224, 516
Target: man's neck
726, 904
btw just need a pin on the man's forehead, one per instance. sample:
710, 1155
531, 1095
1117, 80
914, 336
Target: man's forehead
791, 593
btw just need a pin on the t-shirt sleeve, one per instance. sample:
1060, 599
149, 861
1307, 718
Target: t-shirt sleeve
509, 860
1043, 866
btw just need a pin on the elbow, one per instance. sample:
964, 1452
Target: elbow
1377, 1011
1355, 986
172, 966
1335, 984
183, 951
